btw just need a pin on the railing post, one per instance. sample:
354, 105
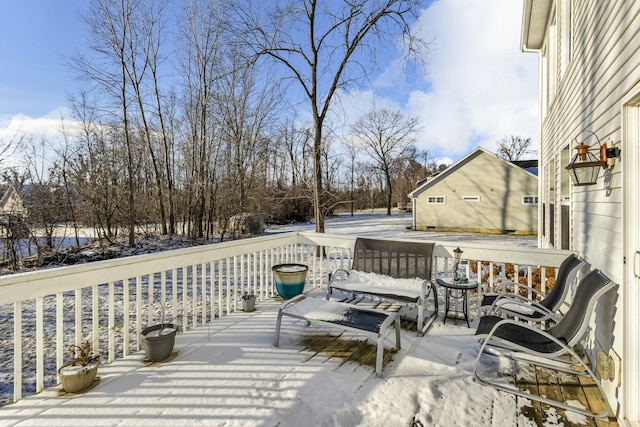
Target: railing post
17, 351
39, 344
59, 330
138, 311
174, 295
111, 324
125, 324
95, 317
194, 294
78, 316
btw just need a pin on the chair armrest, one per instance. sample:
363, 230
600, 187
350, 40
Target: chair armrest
525, 303
513, 285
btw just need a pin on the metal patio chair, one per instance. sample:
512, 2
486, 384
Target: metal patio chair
508, 304
552, 348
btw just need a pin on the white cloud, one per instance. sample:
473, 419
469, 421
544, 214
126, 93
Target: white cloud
22, 125
483, 88
22, 133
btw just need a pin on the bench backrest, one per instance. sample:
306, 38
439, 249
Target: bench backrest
395, 259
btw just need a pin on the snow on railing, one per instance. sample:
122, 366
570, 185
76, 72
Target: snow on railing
107, 302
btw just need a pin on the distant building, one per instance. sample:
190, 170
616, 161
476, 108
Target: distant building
480, 193
11, 203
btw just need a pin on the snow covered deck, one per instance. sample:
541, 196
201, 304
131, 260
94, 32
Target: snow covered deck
229, 373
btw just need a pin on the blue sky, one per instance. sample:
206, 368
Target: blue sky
35, 35
478, 86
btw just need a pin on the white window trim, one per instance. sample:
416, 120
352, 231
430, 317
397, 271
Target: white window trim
437, 200
534, 201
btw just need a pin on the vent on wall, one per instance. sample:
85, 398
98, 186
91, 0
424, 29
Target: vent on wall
470, 198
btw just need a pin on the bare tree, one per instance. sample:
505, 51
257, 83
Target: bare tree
351, 173
385, 135
247, 105
408, 171
513, 147
199, 56
324, 47
114, 49
95, 169
8, 147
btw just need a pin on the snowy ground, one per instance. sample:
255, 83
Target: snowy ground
229, 373
398, 225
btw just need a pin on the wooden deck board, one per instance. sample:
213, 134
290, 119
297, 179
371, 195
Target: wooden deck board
541, 381
534, 411
362, 351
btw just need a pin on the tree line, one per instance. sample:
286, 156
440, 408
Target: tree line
188, 115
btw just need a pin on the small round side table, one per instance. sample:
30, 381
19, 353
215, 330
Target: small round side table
450, 288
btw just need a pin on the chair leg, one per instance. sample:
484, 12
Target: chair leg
276, 343
526, 394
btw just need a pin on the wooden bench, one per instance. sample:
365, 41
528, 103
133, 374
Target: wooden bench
342, 316
396, 271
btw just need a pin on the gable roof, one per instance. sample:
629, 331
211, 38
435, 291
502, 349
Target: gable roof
528, 165
459, 164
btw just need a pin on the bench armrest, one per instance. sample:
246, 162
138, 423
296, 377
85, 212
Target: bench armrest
338, 274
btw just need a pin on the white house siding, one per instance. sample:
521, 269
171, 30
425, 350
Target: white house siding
588, 96
500, 187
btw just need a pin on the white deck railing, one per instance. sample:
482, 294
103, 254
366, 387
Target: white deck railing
108, 302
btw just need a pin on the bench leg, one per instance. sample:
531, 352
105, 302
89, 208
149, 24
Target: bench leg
397, 325
276, 343
381, 336
420, 324
380, 354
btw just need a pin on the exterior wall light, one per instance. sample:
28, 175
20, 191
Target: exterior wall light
584, 167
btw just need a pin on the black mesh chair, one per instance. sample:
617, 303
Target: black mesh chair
552, 348
508, 304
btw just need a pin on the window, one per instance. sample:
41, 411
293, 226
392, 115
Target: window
529, 200
470, 198
436, 199
566, 35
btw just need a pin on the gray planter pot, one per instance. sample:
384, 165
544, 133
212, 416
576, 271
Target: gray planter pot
158, 347
75, 381
249, 303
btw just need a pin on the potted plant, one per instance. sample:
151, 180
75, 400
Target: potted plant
80, 373
248, 302
158, 339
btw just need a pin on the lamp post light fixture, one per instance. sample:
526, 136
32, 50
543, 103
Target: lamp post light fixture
457, 276
584, 167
